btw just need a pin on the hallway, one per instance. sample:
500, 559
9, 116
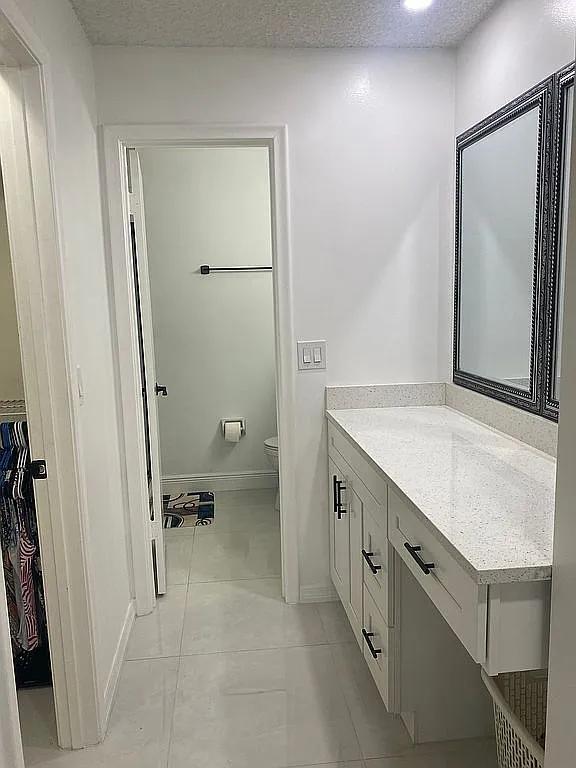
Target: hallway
224, 674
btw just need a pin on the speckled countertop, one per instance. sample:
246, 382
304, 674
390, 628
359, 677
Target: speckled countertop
489, 497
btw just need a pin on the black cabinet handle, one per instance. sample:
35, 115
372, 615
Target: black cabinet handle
374, 651
368, 557
426, 567
161, 390
338, 488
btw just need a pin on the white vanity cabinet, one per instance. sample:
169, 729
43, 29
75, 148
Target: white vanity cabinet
424, 617
360, 564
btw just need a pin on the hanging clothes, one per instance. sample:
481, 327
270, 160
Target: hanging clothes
21, 557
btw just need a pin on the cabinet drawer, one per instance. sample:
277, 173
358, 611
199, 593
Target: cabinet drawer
460, 600
377, 564
379, 648
371, 478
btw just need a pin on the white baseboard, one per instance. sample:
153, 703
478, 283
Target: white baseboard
237, 481
318, 594
114, 676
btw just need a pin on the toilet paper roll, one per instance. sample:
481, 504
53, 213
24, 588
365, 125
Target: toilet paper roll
232, 431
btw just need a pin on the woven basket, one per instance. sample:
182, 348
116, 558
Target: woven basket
520, 717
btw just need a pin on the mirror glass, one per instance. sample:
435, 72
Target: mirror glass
567, 117
498, 220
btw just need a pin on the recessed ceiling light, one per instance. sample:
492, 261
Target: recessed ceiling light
417, 5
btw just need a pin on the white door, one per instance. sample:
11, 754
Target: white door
339, 533
150, 386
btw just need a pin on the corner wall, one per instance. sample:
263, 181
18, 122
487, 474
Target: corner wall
519, 44
370, 151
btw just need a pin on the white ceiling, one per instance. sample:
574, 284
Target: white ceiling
278, 23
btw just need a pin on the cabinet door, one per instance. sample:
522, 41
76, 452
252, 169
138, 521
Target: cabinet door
356, 495
339, 533
379, 651
377, 554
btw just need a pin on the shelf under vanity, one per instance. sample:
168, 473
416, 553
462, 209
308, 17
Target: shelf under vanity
441, 536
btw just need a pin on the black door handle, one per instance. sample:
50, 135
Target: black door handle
426, 567
368, 557
161, 390
374, 651
338, 487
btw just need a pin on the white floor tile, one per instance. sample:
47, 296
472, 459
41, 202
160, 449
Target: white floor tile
261, 709
260, 684
354, 764
140, 723
159, 634
226, 556
335, 622
470, 753
38, 726
246, 615
176, 533
178, 557
233, 519
380, 734
244, 499
474, 754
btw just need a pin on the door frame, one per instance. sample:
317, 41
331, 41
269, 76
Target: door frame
116, 139
27, 133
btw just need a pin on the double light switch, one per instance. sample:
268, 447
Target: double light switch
311, 355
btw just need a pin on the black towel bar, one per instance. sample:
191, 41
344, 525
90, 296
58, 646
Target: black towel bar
205, 269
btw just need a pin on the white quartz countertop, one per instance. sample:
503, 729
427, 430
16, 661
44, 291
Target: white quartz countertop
489, 497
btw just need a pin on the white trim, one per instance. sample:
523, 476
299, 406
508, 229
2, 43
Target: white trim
27, 148
115, 139
220, 481
10, 736
319, 594
119, 655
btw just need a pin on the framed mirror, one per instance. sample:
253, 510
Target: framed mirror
564, 106
502, 208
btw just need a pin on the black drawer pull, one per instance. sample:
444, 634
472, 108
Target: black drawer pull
368, 557
374, 651
426, 567
338, 488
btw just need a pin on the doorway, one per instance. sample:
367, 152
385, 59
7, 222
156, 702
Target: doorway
205, 213
153, 146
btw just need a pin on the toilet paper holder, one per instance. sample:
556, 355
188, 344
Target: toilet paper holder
223, 423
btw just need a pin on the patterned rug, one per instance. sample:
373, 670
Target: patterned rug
172, 520
196, 508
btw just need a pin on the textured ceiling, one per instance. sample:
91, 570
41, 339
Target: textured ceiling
278, 23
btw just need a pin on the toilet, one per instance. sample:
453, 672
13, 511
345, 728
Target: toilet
271, 451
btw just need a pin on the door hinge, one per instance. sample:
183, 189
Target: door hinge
38, 469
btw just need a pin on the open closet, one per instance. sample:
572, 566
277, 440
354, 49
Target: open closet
19, 536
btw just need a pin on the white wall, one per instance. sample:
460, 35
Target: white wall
213, 335
519, 44
11, 384
370, 152
77, 190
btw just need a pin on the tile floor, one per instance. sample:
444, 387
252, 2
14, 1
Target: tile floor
225, 675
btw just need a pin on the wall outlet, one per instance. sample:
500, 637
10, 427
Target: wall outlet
311, 355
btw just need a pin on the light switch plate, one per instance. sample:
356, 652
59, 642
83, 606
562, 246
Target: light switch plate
311, 355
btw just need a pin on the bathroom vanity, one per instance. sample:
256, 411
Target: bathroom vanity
441, 551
